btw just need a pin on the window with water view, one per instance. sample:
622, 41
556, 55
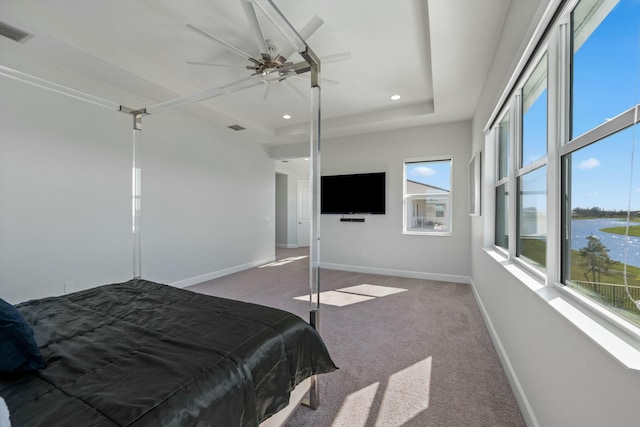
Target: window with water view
577, 173
602, 187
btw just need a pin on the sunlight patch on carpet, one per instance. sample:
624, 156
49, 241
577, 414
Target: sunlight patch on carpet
372, 290
356, 407
339, 299
407, 394
284, 261
353, 294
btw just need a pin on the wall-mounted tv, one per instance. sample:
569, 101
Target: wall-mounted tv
353, 194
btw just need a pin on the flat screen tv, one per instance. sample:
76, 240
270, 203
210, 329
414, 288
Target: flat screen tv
353, 194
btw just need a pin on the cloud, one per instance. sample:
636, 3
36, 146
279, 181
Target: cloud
424, 171
588, 164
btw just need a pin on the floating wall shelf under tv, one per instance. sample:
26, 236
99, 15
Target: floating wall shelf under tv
362, 193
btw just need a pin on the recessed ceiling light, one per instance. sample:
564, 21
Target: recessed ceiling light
286, 116
395, 97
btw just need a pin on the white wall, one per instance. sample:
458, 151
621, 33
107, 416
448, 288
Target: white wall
65, 203
378, 245
65, 190
208, 202
560, 376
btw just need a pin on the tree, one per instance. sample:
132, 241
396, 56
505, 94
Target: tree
595, 256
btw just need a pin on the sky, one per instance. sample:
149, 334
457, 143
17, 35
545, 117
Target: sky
606, 83
437, 174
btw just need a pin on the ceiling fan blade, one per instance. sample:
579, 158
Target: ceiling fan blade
214, 65
336, 57
245, 55
305, 33
250, 12
292, 88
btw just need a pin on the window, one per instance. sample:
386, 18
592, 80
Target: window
532, 217
596, 251
532, 178
502, 192
573, 130
599, 261
427, 196
604, 43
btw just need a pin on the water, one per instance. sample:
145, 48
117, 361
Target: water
581, 228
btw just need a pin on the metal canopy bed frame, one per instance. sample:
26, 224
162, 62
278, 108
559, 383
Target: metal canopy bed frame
311, 65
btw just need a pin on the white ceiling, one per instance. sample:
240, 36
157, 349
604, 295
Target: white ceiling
434, 53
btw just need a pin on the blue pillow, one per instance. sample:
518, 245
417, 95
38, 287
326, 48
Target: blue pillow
19, 352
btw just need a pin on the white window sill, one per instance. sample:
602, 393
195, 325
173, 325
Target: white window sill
427, 233
616, 337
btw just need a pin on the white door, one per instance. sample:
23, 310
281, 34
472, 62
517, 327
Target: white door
304, 213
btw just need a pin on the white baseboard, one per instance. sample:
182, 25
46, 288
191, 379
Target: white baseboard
516, 387
399, 273
220, 273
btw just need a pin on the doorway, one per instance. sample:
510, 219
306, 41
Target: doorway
293, 203
304, 213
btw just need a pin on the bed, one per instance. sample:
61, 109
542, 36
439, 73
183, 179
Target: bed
141, 353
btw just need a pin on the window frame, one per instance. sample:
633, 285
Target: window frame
523, 169
506, 180
553, 38
407, 197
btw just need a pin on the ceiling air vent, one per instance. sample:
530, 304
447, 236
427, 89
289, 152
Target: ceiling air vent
236, 127
14, 33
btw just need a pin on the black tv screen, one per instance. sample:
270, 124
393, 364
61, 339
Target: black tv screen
353, 194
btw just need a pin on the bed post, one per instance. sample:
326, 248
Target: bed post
136, 188
314, 250
312, 65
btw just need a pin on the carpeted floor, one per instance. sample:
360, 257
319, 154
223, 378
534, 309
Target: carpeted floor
420, 357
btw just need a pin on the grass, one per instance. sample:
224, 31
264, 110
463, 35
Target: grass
535, 250
614, 275
611, 296
633, 230
614, 297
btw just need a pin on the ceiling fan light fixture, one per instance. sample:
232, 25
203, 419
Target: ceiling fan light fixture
394, 97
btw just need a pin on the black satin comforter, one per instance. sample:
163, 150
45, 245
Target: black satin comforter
144, 354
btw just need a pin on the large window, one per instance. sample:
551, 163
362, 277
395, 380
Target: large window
427, 196
569, 153
532, 178
602, 245
597, 252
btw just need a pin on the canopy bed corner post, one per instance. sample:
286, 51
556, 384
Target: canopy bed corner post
136, 188
314, 250
312, 65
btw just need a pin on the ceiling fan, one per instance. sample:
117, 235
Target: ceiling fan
271, 65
